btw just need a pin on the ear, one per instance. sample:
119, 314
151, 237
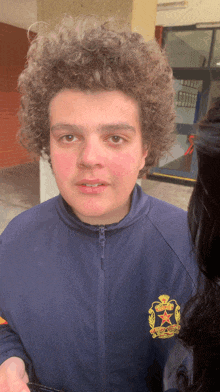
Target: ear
145, 153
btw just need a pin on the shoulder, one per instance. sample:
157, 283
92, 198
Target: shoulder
165, 220
171, 225
37, 217
167, 217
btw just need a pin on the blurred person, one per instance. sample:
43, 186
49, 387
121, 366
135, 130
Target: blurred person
92, 281
201, 317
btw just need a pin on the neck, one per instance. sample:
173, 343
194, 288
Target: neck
114, 216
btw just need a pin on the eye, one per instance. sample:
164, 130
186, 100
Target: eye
116, 139
67, 138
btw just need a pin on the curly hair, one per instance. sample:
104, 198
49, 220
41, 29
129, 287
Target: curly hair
96, 58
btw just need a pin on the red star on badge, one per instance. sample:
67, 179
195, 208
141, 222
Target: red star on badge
166, 317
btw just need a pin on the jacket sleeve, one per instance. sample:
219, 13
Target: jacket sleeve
10, 342
11, 346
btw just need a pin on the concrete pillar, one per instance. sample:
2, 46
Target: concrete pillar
144, 13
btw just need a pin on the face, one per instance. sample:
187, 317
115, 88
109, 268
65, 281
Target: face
96, 152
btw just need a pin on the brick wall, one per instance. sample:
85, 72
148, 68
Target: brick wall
13, 51
159, 34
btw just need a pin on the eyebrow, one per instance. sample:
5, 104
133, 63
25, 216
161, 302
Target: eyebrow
101, 127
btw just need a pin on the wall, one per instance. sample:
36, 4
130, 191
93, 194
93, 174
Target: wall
13, 48
19, 13
52, 10
15, 18
198, 11
144, 17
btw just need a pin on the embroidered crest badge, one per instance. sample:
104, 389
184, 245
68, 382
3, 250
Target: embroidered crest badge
164, 317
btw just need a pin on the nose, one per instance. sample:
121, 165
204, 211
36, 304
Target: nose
92, 153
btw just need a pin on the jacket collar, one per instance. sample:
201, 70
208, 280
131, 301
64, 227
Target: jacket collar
139, 207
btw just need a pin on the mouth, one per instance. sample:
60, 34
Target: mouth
95, 182
92, 186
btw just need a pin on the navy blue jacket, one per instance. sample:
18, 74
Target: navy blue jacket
95, 308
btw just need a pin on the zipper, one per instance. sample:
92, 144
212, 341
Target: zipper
102, 240
101, 315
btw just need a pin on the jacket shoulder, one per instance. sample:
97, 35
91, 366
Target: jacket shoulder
172, 224
27, 221
161, 210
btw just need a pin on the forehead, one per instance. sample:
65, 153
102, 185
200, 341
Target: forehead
86, 105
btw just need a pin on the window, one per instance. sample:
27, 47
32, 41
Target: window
188, 49
194, 55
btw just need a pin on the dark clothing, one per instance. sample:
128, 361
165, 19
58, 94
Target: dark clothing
82, 302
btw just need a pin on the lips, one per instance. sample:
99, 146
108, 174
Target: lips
92, 187
92, 183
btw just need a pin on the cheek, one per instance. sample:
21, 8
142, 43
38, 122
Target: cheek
125, 164
62, 164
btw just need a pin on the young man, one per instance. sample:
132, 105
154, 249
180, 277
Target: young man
92, 281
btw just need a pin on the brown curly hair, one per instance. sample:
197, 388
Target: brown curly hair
96, 58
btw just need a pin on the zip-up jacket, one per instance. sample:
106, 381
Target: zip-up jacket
95, 308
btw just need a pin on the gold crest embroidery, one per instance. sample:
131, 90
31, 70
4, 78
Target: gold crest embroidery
161, 324
2, 321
